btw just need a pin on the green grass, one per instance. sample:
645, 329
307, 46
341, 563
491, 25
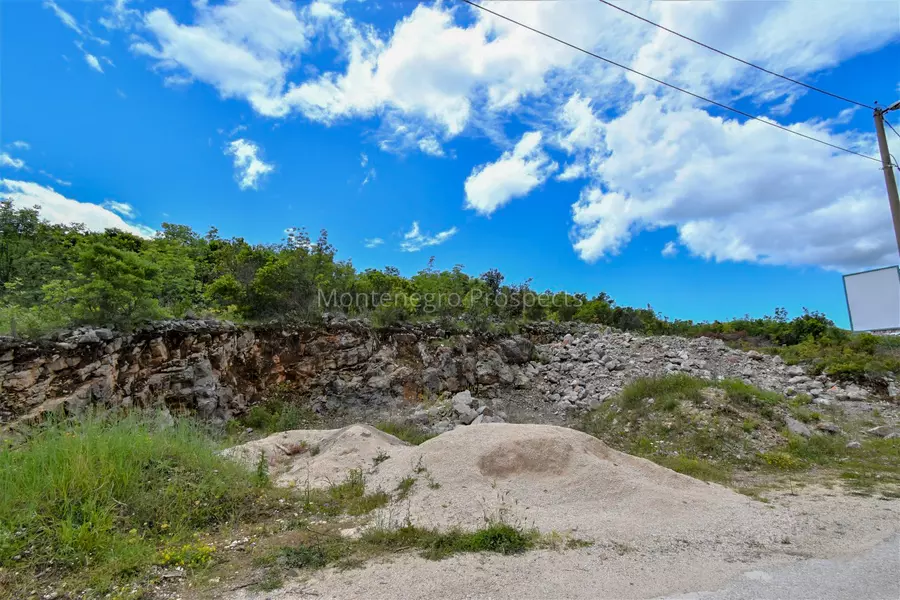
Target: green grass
665, 390
404, 487
278, 414
697, 468
328, 550
433, 544
102, 499
721, 442
668, 432
347, 497
409, 433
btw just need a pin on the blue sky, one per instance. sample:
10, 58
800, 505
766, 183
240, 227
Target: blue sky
442, 131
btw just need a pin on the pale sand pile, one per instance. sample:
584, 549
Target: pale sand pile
654, 532
550, 478
558, 479
317, 457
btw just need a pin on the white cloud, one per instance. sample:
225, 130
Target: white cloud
55, 179
119, 15
429, 70
430, 145
372, 242
174, 81
56, 208
370, 176
244, 48
645, 151
581, 129
414, 240
67, 19
735, 191
93, 62
89, 58
573, 171
249, 167
513, 175
8, 161
20, 145
796, 38
670, 249
363, 159
121, 208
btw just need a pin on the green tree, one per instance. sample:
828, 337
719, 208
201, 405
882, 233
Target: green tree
112, 287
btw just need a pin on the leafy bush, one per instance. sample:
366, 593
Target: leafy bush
280, 413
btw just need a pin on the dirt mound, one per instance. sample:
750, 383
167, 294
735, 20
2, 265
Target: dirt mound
317, 457
555, 479
551, 478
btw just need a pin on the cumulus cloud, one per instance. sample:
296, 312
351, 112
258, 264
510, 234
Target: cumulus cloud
8, 161
573, 171
20, 145
735, 191
373, 242
430, 70
243, 48
514, 174
650, 157
56, 208
414, 240
249, 167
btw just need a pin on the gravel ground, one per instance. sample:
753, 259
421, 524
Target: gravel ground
654, 532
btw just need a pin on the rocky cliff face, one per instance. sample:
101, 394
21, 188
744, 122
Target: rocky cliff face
216, 369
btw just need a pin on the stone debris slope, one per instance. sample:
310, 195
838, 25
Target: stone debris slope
582, 371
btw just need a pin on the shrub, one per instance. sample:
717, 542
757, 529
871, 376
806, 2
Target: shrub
666, 388
409, 433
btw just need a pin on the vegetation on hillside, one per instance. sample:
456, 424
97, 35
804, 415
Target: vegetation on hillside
731, 432
55, 276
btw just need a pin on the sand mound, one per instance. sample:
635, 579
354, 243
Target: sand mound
555, 479
317, 457
551, 478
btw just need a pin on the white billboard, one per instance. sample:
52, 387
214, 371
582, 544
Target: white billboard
873, 299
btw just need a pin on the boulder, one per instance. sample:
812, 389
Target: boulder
516, 350
796, 427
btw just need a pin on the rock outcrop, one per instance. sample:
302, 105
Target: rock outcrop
217, 369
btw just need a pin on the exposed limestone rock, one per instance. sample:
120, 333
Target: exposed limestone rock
217, 370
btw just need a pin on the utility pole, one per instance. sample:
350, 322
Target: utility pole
887, 166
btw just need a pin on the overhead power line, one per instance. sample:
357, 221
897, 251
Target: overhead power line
674, 87
740, 60
886, 122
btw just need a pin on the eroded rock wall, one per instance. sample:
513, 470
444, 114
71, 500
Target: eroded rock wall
217, 370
